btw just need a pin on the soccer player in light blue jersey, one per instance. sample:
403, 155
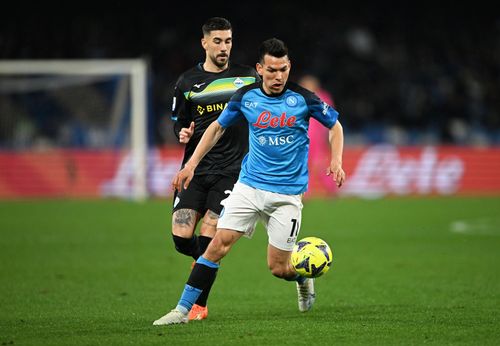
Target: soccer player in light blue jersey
273, 174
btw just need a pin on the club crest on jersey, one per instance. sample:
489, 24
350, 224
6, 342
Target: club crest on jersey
291, 101
266, 119
238, 82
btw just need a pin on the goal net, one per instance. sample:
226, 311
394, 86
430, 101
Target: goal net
63, 123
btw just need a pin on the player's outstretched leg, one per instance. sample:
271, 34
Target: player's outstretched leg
305, 293
202, 276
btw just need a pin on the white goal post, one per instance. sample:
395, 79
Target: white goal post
135, 68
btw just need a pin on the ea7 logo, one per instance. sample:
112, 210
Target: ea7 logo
250, 104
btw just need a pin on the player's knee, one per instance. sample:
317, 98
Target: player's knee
184, 222
279, 271
186, 246
216, 250
209, 226
208, 230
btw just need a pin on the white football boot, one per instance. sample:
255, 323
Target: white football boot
173, 317
306, 295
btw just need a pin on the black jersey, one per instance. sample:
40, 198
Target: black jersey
200, 96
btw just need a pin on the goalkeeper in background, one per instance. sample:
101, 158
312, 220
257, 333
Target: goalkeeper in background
201, 93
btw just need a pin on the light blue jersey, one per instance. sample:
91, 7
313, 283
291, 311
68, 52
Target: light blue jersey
278, 139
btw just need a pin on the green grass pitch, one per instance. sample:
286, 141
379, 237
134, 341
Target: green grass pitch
406, 271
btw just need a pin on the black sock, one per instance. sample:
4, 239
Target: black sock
202, 276
203, 242
187, 246
202, 299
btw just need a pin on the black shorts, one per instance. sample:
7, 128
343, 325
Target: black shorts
203, 193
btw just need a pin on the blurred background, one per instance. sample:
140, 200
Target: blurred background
85, 105
417, 87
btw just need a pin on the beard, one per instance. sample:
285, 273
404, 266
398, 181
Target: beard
220, 60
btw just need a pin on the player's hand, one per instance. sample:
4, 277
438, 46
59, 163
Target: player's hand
186, 132
337, 173
183, 178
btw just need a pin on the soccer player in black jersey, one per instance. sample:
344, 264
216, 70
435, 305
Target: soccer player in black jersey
201, 93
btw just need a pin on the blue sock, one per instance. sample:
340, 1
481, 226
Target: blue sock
188, 298
204, 261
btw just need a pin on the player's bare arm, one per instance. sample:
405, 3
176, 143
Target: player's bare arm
336, 136
210, 137
186, 133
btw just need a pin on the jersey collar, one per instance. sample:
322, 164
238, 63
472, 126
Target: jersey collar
200, 67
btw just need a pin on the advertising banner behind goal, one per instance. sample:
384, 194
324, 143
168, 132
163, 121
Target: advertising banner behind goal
372, 172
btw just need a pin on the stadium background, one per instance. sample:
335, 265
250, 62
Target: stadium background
416, 85
418, 89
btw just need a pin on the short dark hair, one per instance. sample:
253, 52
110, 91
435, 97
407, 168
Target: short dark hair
215, 23
273, 47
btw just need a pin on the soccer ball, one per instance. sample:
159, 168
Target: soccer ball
311, 257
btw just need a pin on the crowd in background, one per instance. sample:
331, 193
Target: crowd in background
398, 74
